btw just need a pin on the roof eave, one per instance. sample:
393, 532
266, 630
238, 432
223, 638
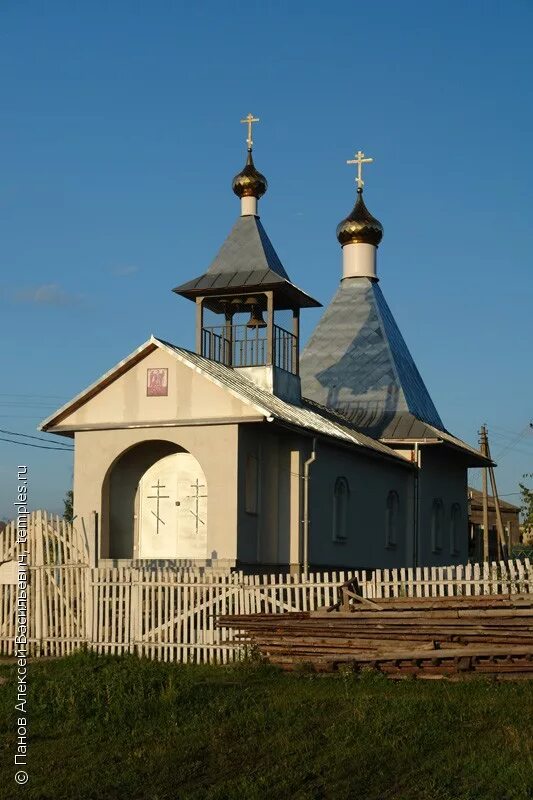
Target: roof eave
358, 446
105, 380
475, 458
282, 287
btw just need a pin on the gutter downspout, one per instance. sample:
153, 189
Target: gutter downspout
306, 521
416, 520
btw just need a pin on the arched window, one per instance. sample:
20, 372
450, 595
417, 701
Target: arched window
341, 501
437, 519
392, 519
455, 527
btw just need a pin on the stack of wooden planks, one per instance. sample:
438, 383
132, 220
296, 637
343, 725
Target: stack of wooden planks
425, 637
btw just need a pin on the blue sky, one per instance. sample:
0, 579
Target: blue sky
119, 138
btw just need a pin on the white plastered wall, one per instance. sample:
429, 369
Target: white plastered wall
191, 396
105, 429
215, 448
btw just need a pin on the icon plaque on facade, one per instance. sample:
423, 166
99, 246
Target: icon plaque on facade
157, 382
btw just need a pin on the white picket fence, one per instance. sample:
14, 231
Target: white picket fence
170, 613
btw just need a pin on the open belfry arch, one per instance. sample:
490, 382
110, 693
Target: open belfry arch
241, 453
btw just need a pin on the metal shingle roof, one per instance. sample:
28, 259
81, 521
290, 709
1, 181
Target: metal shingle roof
308, 415
246, 260
247, 257
357, 362
247, 249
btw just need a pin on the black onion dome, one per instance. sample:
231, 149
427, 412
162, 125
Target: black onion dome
360, 225
249, 182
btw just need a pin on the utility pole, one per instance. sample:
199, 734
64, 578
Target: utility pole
504, 548
483, 446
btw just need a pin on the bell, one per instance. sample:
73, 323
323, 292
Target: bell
256, 318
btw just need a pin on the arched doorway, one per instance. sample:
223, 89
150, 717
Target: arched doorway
173, 509
154, 504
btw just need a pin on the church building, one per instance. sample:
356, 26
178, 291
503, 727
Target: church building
244, 453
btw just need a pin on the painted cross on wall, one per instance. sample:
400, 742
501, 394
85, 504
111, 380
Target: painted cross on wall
197, 512
157, 497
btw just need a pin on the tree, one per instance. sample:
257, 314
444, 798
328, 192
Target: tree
68, 502
527, 505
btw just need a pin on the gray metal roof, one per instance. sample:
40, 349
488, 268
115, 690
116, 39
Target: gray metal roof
247, 260
407, 428
308, 415
248, 247
247, 257
357, 362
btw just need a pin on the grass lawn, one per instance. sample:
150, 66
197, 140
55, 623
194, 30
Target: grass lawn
103, 727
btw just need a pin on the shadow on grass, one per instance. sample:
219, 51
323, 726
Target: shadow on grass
123, 727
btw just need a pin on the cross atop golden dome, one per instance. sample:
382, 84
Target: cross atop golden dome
360, 159
360, 227
249, 182
249, 120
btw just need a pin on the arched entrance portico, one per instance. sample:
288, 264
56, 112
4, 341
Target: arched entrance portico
154, 504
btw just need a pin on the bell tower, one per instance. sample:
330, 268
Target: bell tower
244, 293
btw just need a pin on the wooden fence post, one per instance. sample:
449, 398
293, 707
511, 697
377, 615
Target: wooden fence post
88, 588
93, 539
135, 626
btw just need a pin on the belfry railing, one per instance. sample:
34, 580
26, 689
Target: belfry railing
243, 346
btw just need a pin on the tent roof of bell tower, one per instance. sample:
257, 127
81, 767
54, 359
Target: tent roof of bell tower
247, 261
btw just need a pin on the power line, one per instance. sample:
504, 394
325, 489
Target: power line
522, 447
40, 396
38, 438
518, 451
511, 445
501, 429
40, 446
509, 438
21, 416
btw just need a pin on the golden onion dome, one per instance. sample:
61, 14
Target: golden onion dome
360, 225
249, 182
